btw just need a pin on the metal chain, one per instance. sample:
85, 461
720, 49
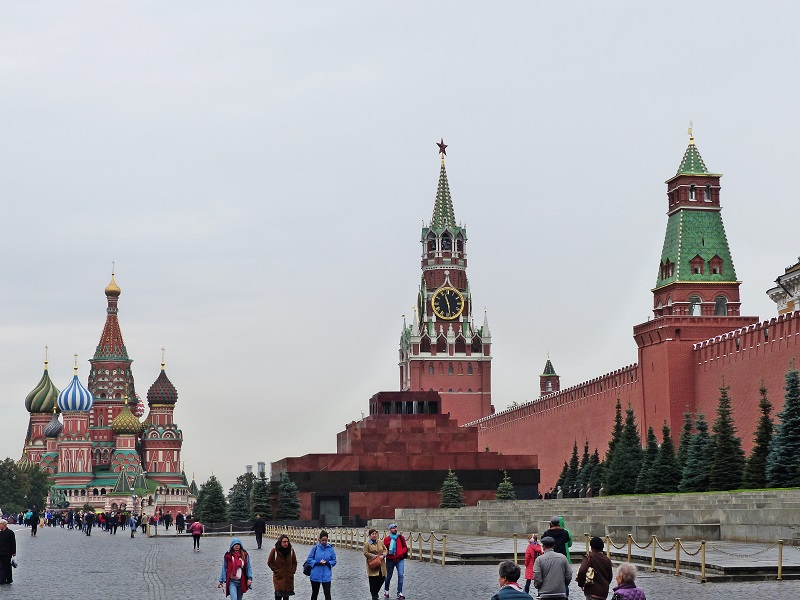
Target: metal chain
695, 553
650, 543
670, 549
738, 555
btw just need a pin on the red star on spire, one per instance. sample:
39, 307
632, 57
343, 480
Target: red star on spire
442, 147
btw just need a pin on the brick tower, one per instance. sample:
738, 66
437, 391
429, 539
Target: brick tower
696, 295
442, 350
75, 466
110, 379
161, 438
549, 381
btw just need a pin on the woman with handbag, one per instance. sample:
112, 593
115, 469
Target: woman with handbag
283, 563
320, 563
375, 553
595, 573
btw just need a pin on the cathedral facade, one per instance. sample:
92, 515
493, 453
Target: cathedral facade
102, 454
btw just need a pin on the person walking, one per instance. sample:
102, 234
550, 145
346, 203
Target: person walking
132, 525
595, 573
321, 559
282, 561
626, 584
561, 536
395, 559
532, 552
180, 522
196, 529
375, 553
8, 550
260, 528
551, 572
88, 520
34, 521
508, 576
237, 573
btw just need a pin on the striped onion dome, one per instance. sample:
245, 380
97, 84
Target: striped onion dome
42, 398
54, 427
75, 397
162, 391
125, 422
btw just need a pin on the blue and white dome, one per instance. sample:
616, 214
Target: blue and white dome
75, 397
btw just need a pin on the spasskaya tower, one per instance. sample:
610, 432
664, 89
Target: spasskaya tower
442, 349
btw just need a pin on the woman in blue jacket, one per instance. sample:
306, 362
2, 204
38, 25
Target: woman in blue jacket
321, 559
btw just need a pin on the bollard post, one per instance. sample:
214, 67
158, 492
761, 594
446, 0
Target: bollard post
444, 548
586, 538
410, 545
780, 560
515, 549
231, 529
608, 546
432, 536
702, 561
630, 543
653, 541
677, 556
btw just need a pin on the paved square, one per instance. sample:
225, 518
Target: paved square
67, 565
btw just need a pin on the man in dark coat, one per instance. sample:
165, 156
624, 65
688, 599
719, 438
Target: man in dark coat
559, 534
260, 527
8, 550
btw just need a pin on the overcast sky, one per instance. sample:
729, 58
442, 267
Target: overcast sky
260, 173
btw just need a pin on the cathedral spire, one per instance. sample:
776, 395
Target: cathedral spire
111, 345
443, 213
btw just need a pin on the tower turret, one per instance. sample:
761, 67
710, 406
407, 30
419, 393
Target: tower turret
161, 438
442, 350
549, 381
75, 446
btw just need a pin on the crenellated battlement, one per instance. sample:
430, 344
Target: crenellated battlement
599, 387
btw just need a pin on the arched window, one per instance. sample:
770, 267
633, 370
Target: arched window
469, 368
430, 368
691, 192
447, 243
450, 369
100, 421
695, 306
720, 306
548, 386
708, 193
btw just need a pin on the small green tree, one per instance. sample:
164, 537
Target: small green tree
452, 493
562, 478
596, 476
584, 471
644, 482
626, 459
238, 506
698, 460
288, 502
784, 451
665, 475
616, 431
262, 504
572, 475
213, 508
755, 471
685, 441
727, 466
505, 491
14, 486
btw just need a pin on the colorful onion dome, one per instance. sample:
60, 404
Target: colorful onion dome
75, 397
54, 427
112, 289
162, 391
42, 398
139, 411
125, 422
25, 462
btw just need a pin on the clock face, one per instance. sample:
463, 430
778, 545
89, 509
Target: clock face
447, 303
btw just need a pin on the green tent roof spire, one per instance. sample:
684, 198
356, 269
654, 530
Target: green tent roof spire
692, 163
443, 213
548, 367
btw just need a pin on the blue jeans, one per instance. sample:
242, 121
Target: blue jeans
235, 590
390, 567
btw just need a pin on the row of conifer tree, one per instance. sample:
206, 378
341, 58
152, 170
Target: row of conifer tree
703, 460
248, 497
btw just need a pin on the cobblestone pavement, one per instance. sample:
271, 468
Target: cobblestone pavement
66, 565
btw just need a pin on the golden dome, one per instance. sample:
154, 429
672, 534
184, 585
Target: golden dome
125, 422
112, 289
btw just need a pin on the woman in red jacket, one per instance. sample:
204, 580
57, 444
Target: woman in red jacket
533, 550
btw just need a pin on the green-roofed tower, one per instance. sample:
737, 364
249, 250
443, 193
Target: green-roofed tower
696, 275
549, 381
442, 349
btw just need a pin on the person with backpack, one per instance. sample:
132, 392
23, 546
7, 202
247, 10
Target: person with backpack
319, 566
595, 573
532, 552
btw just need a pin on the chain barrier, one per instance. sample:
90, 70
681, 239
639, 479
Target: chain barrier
738, 555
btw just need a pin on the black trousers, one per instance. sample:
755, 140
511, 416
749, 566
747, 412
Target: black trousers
259, 537
326, 589
196, 540
375, 583
6, 575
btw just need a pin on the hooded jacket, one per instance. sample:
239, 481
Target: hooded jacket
228, 569
321, 572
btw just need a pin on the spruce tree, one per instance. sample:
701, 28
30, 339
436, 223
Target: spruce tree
755, 471
665, 475
616, 431
626, 459
698, 459
562, 478
644, 482
288, 502
596, 476
784, 452
213, 508
238, 506
505, 491
572, 475
584, 468
452, 493
685, 441
262, 504
727, 466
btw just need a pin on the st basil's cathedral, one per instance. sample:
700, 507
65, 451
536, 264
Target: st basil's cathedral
102, 454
